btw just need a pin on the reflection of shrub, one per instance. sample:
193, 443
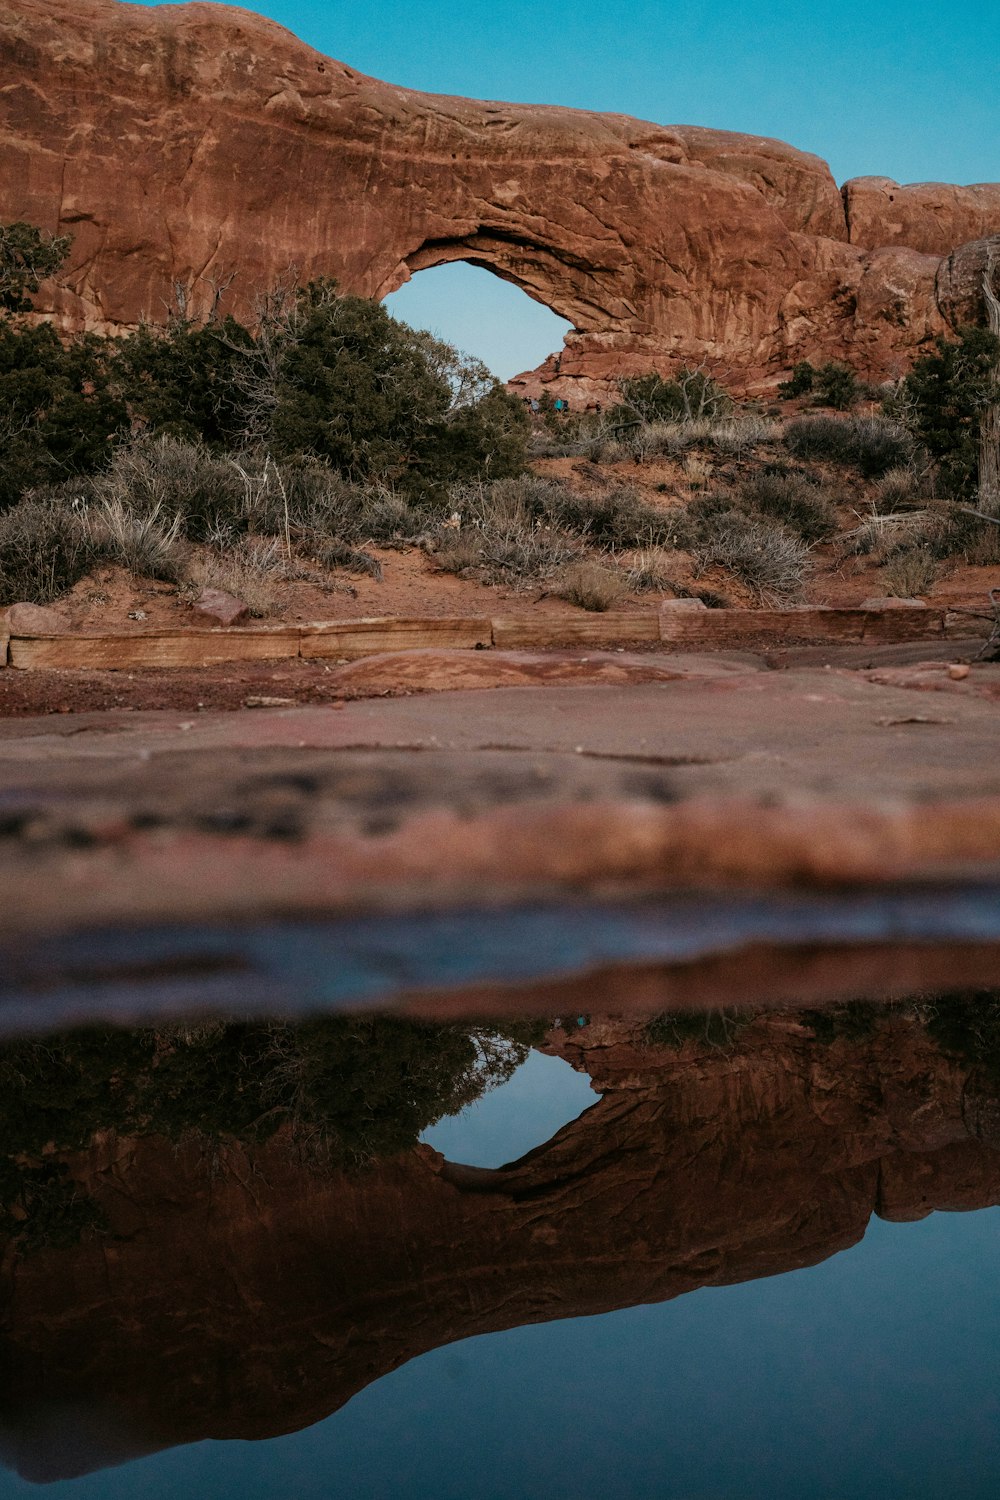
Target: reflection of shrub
350, 1089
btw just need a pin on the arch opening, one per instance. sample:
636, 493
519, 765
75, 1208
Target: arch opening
481, 313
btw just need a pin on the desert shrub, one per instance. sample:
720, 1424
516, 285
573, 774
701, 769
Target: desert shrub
592, 585
689, 396
836, 385
800, 382
351, 559
252, 569
805, 508
144, 543
741, 434
945, 395
59, 415
897, 490
650, 572
871, 444
168, 477
46, 546
501, 539
910, 571
759, 552
614, 519
879, 536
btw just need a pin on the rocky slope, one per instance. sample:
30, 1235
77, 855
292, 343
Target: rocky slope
183, 145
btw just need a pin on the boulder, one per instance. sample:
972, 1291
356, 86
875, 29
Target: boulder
33, 619
224, 608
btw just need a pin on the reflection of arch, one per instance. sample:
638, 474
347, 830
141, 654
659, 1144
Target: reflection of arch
253, 1294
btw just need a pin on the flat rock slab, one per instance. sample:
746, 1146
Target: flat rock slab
754, 780
433, 671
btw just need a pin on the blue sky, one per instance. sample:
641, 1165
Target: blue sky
904, 88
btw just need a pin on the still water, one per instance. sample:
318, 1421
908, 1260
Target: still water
704, 1258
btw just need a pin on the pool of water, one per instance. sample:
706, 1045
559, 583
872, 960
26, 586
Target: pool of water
704, 1257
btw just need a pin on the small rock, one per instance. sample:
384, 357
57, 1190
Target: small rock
218, 605
891, 603
683, 604
35, 619
957, 671
261, 700
137, 614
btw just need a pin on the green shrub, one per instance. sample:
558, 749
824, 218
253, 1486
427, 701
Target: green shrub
836, 385
689, 396
800, 382
59, 415
28, 256
945, 394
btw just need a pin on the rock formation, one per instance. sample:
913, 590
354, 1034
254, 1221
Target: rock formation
243, 1290
181, 146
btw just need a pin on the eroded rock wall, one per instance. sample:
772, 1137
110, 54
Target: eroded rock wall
182, 144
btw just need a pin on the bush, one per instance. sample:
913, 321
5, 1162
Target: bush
592, 585
836, 385
45, 548
58, 413
252, 570
871, 444
167, 477
614, 519
804, 507
689, 396
758, 552
142, 543
800, 382
910, 571
898, 489
945, 394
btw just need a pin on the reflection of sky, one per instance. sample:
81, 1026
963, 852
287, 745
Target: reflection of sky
873, 1376
543, 1095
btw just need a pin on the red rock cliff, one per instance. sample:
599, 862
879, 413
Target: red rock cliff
183, 143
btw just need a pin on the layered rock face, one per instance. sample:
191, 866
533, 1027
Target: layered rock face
181, 145
243, 1291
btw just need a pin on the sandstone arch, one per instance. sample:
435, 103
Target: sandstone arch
182, 143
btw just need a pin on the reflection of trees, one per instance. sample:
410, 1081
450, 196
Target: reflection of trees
350, 1089
245, 1288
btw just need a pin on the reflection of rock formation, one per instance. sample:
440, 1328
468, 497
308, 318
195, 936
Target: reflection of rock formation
244, 1292
182, 143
